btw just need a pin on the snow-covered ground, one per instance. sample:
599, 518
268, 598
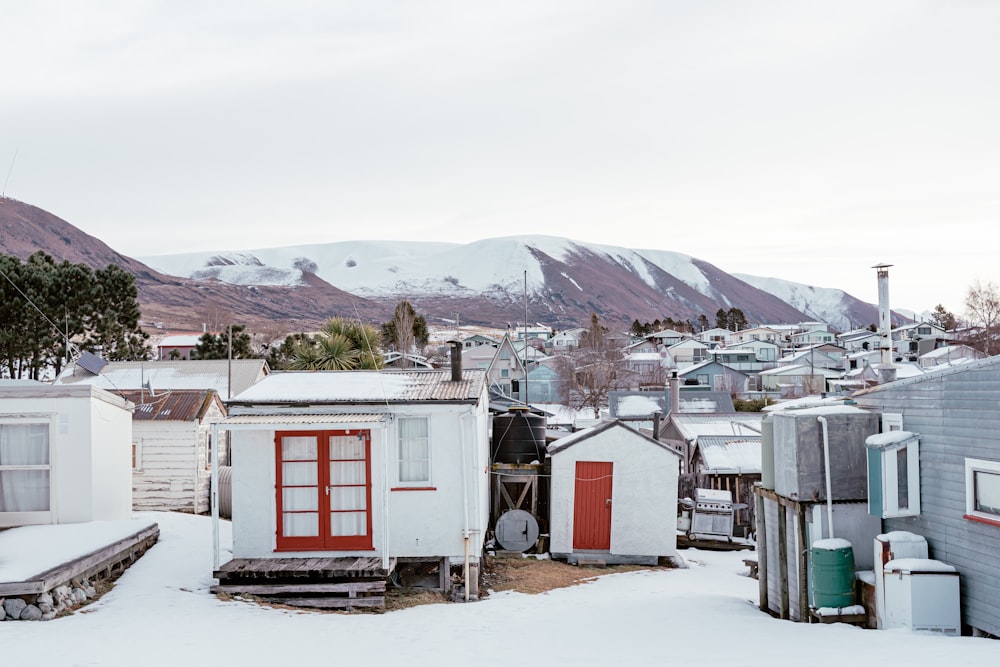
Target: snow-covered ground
161, 613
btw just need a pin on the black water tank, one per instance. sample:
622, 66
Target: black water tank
518, 436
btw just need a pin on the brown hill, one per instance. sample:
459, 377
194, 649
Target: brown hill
180, 303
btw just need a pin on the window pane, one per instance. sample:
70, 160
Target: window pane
24, 444
347, 448
300, 499
987, 491
348, 498
298, 448
350, 472
300, 524
348, 523
24, 490
298, 474
902, 479
414, 450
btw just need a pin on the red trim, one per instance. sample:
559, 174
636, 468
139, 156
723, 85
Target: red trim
324, 541
413, 488
979, 519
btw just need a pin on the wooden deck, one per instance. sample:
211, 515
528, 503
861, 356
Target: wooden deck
323, 583
102, 563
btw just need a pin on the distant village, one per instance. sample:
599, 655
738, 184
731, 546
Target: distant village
858, 471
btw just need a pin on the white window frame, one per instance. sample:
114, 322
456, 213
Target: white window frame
973, 466
428, 481
40, 516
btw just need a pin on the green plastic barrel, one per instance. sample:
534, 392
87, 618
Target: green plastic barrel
833, 573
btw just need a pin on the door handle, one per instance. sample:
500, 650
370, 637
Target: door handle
607, 503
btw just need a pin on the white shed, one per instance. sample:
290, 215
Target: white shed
376, 464
171, 448
613, 496
65, 454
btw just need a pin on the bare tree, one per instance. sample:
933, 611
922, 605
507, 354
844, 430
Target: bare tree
593, 370
982, 306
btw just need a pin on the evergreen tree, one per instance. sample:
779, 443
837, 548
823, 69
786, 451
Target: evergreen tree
216, 346
943, 318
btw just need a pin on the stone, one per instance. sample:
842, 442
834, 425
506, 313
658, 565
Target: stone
3, 612
45, 607
49, 616
44, 598
14, 607
31, 613
89, 590
79, 595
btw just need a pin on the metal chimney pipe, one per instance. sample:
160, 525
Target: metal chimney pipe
456, 360
886, 369
657, 416
675, 393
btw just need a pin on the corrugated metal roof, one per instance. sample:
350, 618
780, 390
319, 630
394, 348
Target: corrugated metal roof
698, 425
353, 387
176, 405
313, 419
163, 375
730, 454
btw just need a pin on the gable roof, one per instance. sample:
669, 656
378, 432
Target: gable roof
932, 375
177, 405
368, 387
564, 443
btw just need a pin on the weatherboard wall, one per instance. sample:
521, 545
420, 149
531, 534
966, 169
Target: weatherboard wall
956, 412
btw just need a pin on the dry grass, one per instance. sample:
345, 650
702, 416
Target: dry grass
529, 575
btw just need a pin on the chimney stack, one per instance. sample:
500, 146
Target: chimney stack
886, 369
675, 393
456, 360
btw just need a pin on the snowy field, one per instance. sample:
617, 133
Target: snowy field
161, 613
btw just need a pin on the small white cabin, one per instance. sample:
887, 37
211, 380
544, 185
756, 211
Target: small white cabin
64, 454
172, 448
613, 496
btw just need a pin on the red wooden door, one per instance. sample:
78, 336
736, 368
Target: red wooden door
323, 490
592, 505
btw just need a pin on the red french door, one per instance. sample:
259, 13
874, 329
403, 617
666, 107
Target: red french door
592, 505
324, 490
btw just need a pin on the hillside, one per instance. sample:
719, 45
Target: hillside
484, 282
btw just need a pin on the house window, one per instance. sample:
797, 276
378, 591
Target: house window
893, 474
505, 354
982, 490
924, 331
414, 451
25, 468
504, 372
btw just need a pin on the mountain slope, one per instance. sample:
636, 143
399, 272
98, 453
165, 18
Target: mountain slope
486, 281
177, 302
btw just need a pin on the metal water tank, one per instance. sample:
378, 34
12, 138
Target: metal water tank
518, 436
516, 530
767, 452
833, 573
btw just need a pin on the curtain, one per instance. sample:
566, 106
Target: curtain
300, 486
414, 451
348, 486
24, 468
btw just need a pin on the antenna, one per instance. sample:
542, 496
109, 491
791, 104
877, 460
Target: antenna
3, 193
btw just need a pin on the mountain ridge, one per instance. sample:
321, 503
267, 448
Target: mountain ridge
562, 281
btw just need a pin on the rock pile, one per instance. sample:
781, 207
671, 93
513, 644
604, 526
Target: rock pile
45, 606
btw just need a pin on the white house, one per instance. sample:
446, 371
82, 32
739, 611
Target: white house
64, 454
688, 352
566, 340
390, 465
613, 496
171, 448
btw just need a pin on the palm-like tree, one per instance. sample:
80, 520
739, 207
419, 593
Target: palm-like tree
341, 345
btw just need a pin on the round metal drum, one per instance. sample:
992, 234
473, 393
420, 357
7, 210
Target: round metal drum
516, 530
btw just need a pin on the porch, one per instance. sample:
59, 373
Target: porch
322, 583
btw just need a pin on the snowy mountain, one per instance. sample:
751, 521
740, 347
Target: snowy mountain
565, 280
822, 304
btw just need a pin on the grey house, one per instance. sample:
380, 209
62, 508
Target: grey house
956, 414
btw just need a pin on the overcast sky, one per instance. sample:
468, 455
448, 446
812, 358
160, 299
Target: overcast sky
800, 140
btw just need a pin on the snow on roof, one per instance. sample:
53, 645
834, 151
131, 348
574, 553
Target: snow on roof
889, 438
730, 455
696, 425
179, 341
364, 386
805, 402
638, 406
163, 375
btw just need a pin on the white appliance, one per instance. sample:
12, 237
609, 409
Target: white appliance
922, 594
890, 546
